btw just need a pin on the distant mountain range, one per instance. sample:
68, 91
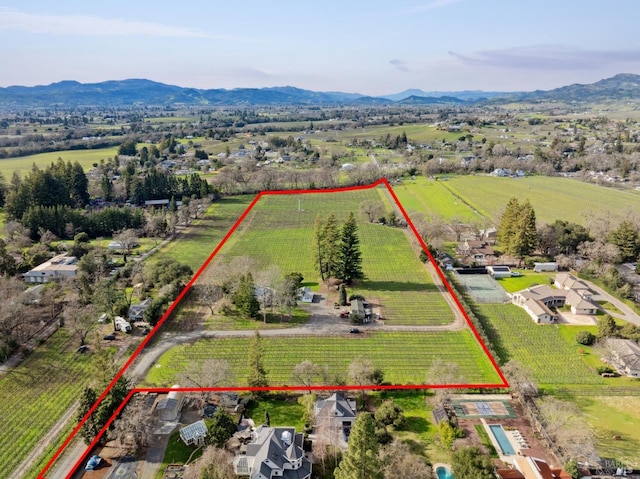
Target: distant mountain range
136, 92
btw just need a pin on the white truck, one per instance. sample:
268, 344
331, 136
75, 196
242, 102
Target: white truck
122, 324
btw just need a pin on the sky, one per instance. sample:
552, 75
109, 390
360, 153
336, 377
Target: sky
370, 47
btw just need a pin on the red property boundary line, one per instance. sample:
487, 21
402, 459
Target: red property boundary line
143, 344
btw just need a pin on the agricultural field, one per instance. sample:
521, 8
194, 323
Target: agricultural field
39, 391
431, 197
278, 231
404, 357
541, 348
86, 158
552, 198
469, 197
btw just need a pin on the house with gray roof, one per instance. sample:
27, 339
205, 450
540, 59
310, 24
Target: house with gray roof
274, 452
625, 355
335, 417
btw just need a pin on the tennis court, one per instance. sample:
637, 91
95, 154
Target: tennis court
465, 408
483, 288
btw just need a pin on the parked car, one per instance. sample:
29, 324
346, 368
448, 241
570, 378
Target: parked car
516, 274
82, 349
110, 337
354, 331
93, 463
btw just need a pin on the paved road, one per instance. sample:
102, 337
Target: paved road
628, 314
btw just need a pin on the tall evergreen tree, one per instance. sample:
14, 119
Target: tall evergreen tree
255, 363
361, 459
91, 427
350, 255
525, 237
317, 246
331, 242
508, 221
245, 297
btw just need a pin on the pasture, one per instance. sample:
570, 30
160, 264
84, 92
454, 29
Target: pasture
278, 231
404, 357
38, 392
86, 158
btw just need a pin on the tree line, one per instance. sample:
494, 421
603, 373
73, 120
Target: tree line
336, 249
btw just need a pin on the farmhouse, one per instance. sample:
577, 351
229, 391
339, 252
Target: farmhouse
194, 434
625, 355
537, 300
274, 452
479, 252
136, 311
334, 418
361, 309
61, 266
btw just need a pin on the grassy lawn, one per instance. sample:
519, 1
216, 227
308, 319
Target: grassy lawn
276, 233
528, 279
86, 158
283, 411
609, 307
40, 390
418, 432
404, 357
177, 453
612, 417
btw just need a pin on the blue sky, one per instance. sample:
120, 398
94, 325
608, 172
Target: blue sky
373, 47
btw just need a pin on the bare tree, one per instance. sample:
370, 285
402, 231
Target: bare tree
568, 429
372, 209
269, 281
81, 319
398, 462
305, 373
209, 294
134, 427
215, 463
209, 373
443, 372
127, 240
520, 379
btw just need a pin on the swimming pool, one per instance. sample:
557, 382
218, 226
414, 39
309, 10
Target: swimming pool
503, 441
444, 473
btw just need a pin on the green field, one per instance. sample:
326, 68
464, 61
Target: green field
552, 197
86, 158
404, 357
611, 417
275, 232
38, 392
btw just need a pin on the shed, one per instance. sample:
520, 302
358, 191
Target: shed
195, 433
169, 408
499, 271
540, 267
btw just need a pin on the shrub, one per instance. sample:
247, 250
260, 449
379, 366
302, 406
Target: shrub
585, 338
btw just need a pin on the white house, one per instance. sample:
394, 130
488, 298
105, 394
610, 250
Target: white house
61, 266
274, 452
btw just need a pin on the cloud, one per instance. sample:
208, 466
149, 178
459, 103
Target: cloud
400, 65
548, 57
86, 25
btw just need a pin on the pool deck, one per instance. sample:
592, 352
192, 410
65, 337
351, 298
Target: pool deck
511, 437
